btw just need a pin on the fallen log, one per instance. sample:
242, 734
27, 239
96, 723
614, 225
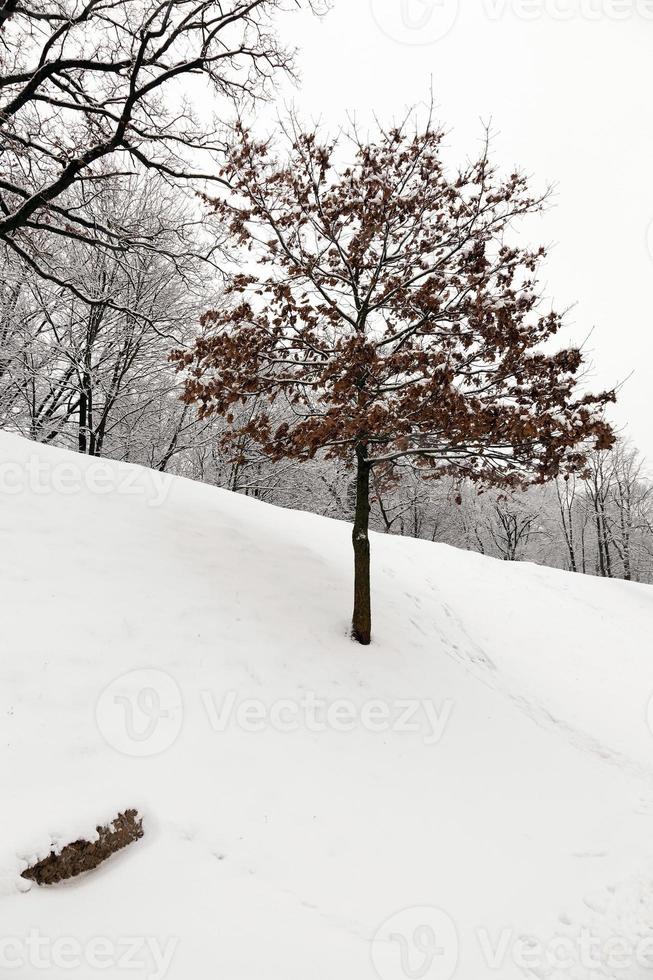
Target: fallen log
82, 855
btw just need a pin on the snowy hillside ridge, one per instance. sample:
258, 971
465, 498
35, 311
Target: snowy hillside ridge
469, 797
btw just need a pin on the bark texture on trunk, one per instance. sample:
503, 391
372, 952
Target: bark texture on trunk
362, 619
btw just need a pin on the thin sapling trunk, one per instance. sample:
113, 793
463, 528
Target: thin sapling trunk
362, 619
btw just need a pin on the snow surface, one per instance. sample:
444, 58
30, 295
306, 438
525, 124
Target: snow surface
136, 607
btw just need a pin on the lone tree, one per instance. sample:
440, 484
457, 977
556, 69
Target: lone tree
384, 306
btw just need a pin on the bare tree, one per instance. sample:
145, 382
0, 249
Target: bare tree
511, 525
95, 376
631, 498
566, 492
598, 487
90, 89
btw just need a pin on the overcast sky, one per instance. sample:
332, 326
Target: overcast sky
568, 85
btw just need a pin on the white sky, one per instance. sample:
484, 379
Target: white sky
568, 85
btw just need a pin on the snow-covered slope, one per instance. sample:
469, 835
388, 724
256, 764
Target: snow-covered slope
477, 782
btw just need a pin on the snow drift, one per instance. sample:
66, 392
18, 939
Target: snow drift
470, 797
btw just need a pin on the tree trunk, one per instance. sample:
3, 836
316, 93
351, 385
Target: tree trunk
82, 428
362, 619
